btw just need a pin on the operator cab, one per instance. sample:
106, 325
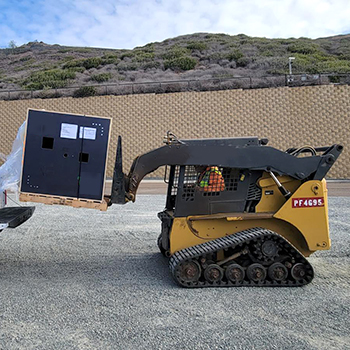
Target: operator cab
185, 196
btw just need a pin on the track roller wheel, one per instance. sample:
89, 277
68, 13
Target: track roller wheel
298, 271
256, 272
213, 273
255, 257
188, 271
235, 273
278, 272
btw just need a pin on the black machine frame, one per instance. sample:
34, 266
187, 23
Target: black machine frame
248, 157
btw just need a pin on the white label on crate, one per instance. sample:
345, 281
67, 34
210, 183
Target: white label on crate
87, 133
69, 131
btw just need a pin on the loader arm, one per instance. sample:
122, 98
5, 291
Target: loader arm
241, 153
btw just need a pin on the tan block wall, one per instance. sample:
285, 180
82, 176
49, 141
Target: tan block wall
288, 117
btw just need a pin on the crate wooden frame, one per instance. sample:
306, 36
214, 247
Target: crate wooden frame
59, 200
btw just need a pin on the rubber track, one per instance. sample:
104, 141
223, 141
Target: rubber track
239, 239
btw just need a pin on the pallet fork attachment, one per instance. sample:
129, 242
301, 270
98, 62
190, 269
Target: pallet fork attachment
118, 194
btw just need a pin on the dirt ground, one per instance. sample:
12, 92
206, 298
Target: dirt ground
85, 279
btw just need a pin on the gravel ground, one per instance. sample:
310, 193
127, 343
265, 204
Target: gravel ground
83, 279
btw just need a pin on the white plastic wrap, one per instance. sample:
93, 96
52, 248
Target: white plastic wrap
10, 171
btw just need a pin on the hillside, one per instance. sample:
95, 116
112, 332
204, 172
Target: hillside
38, 66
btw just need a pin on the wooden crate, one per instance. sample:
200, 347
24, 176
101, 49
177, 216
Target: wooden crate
72, 202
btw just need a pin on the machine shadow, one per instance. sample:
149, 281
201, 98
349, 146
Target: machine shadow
143, 270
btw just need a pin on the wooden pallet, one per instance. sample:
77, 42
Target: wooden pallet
72, 202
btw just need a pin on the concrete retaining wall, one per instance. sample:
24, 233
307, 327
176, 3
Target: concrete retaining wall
288, 117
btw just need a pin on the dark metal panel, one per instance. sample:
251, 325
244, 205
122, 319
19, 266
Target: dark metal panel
225, 206
49, 170
94, 135
57, 161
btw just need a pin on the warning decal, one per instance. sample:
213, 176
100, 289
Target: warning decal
307, 202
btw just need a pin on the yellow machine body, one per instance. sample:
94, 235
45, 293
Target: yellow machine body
302, 219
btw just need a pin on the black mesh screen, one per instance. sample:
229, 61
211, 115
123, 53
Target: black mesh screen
226, 180
176, 181
190, 182
231, 177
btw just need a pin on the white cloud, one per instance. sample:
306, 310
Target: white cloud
126, 24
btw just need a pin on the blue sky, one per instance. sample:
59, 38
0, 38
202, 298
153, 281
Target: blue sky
124, 24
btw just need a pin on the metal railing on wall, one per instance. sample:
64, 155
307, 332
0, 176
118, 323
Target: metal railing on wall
213, 84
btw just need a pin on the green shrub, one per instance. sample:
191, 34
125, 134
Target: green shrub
43, 52
53, 74
210, 36
180, 63
73, 63
25, 58
143, 57
66, 58
217, 56
243, 39
107, 56
64, 50
303, 48
332, 66
343, 56
87, 63
20, 68
217, 37
303, 64
196, 45
110, 59
127, 54
77, 69
84, 49
319, 63
235, 55
85, 91
53, 78
175, 52
150, 65
271, 49
148, 47
261, 42
92, 62
9, 80
100, 78
125, 66
243, 61
267, 53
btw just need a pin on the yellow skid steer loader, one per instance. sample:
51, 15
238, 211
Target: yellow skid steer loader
255, 229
